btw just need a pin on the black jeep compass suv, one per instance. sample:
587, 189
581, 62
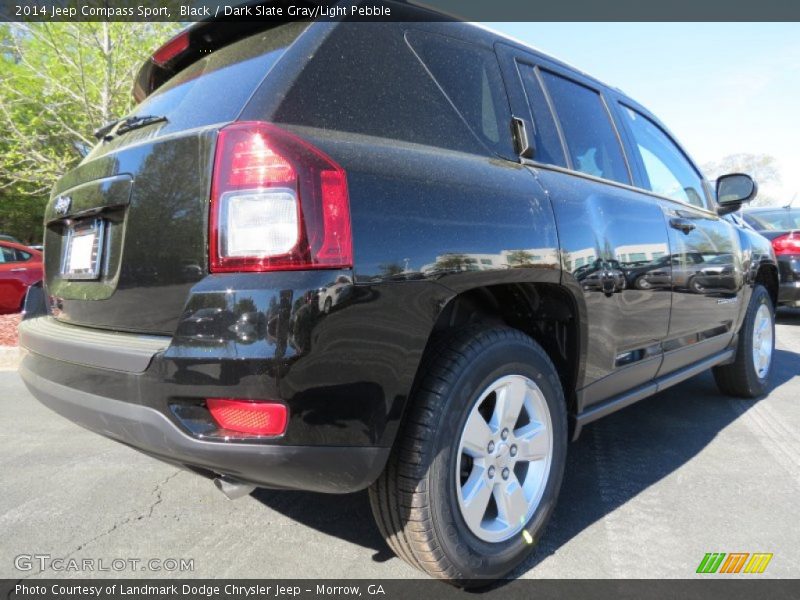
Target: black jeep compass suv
414, 257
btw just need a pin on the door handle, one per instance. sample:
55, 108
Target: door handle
682, 225
18, 269
523, 143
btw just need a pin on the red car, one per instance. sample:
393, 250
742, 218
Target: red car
20, 268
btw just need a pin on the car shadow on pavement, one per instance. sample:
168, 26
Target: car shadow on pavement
614, 460
345, 516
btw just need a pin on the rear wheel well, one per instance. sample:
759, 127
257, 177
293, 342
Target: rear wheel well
767, 276
545, 312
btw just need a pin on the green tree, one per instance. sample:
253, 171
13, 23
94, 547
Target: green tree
452, 262
59, 82
391, 269
761, 167
519, 258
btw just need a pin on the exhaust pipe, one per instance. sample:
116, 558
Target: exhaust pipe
233, 488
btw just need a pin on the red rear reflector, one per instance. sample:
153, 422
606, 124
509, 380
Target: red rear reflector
244, 416
787, 244
171, 49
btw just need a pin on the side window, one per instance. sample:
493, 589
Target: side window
669, 172
470, 77
7, 255
592, 143
22, 256
545, 134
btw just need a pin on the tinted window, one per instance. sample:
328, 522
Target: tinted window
470, 77
215, 88
366, 79
669, 172
7, 255
775, 220
22, 256
592, 143
545, 135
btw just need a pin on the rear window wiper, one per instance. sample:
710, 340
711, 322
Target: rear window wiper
125, 125
101, 132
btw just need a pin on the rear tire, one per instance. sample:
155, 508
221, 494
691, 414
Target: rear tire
439, 474
748, 375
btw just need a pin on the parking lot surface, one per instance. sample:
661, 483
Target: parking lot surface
648, 491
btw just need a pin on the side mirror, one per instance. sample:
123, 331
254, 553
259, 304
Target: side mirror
734, 190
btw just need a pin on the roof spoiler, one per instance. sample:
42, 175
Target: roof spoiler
207, 36
190, 45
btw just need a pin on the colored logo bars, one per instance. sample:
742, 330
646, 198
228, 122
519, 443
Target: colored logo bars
735, 562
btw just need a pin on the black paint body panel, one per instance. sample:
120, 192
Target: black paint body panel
436, 214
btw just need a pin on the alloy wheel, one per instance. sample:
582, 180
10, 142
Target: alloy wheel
762, 341
504, 458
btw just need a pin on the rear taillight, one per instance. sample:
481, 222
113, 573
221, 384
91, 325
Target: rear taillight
787, 244
171, 49
277, 203
244, 416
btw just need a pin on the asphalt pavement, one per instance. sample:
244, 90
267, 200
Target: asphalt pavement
648, 491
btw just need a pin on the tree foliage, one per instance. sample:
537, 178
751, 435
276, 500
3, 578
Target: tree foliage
519, 258
761, 167
59, 82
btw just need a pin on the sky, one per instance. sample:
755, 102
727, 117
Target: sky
721, 88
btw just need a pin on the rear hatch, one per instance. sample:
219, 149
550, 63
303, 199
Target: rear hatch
126, 231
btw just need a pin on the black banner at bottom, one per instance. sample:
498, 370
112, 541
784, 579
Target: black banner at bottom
397, 589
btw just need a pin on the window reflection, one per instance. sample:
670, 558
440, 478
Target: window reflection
669, 173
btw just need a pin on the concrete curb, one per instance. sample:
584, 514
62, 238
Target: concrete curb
9, 358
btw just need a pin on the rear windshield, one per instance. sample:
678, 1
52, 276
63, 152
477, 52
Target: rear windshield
215, 88
774, 220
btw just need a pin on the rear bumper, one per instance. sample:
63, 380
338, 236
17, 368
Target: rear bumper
123, 386
332, 469
344, 375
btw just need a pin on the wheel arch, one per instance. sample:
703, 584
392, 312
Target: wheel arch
549, 313
767, 275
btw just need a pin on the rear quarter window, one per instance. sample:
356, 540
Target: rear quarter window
469, 75
365, 79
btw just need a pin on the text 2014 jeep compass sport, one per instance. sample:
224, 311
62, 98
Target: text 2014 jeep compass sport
415, 257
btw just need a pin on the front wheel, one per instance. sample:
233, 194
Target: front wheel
748, 375
474, 477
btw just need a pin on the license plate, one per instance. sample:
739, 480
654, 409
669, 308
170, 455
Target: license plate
83, 250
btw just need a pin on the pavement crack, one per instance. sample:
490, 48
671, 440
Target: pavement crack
146, 514
157, 491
